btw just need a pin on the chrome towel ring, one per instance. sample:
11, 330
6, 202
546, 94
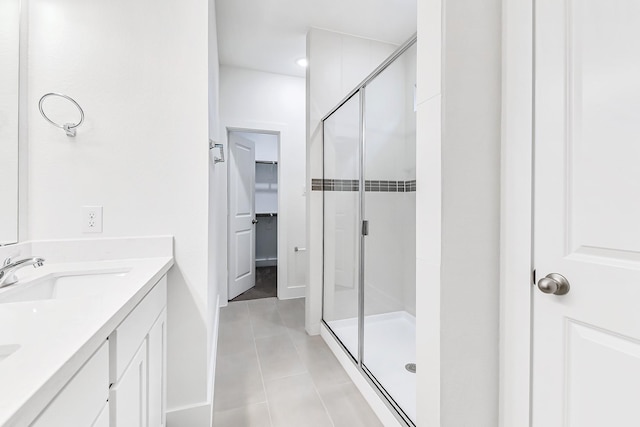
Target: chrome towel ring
69, 128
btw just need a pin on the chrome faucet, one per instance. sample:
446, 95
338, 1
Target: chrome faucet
9, 267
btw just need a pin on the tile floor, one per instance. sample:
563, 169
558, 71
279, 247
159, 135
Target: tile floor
271, 373
266, 285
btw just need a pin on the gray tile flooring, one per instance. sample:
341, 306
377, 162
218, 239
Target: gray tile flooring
271, 373
266, 285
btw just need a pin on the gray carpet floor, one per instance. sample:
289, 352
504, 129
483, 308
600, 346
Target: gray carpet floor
266, 285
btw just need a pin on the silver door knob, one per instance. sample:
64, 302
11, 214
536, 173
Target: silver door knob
554, 283
254, 221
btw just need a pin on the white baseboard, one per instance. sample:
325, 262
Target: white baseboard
193, 416
292, 292
213, 357
384, 414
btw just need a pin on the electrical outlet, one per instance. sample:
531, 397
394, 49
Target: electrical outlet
92, 219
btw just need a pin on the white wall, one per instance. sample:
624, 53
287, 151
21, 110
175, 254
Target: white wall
254, 100
266, 145
458, 171
337, 63
9, 82
213, 295
140, 71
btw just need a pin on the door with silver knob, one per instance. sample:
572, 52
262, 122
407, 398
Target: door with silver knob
555, 284
586, 343
242, 215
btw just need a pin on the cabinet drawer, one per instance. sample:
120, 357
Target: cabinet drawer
125, 341
80, 401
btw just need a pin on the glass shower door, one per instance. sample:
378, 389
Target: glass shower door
369, 185
389, 351
342, 223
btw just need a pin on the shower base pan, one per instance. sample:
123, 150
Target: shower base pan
389, 346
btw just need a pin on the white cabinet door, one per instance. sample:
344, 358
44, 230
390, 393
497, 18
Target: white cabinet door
157, 371
103, 418
129, 398
586, 344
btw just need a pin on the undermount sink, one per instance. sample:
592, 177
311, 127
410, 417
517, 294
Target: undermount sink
61, 286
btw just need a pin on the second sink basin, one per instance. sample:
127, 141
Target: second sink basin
62, 286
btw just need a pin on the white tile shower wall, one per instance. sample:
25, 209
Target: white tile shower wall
390, 154
341, 245
341, 219
140, 71
385, 252
386, 105
410, 82
337, 63
272, 102
409, 266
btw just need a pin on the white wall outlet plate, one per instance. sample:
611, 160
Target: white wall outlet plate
92, 219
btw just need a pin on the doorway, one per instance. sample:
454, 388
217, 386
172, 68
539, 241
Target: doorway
253, 214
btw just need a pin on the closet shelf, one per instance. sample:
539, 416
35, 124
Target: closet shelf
266, 162
266, 213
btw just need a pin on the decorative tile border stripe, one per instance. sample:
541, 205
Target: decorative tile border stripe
370, 185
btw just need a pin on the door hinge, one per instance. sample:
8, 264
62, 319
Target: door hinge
365, 228
533, 277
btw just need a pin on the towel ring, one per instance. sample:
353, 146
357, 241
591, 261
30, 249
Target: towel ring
69, 128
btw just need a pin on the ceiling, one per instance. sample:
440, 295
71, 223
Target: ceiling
270, 35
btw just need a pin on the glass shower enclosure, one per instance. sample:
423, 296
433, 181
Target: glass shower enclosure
369, 185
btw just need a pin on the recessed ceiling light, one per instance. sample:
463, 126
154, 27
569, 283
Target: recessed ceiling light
303, 62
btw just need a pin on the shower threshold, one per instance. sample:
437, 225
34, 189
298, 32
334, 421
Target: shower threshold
389, 345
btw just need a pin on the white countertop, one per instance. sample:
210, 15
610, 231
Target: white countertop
57, 336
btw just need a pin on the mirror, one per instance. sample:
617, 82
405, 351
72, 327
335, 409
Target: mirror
9, 105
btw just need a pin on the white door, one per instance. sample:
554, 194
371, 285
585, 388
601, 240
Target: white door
586, 344
242, 236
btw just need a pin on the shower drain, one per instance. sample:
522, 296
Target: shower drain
411, 367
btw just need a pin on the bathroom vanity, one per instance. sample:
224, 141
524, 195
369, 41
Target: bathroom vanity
83, 338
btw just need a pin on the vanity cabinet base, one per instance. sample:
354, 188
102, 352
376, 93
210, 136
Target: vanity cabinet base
124, 383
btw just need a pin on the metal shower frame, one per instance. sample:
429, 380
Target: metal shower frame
358, 362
